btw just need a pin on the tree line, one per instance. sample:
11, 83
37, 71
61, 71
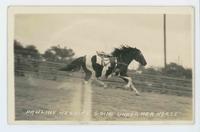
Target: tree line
29, 59
54, 53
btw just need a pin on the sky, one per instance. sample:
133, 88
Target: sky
88, 33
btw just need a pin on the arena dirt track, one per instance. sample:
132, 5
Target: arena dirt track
70, 100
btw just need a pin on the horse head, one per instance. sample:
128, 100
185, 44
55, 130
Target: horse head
126, 54
139, 57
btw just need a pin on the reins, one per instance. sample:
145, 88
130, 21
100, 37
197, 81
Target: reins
103, 55
122, 63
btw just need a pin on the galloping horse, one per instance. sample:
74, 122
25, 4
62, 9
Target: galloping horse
114, 64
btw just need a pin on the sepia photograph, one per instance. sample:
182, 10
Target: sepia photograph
101, 65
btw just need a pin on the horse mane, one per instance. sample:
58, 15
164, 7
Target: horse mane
123, 49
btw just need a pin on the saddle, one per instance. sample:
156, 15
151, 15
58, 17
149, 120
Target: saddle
106, 58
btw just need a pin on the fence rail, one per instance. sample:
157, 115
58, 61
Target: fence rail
145, 82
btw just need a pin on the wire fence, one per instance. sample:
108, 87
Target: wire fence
144, 82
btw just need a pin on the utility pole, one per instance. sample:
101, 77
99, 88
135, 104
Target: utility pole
179, 60
164, 30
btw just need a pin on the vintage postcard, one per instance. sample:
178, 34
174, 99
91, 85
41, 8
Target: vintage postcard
100, 65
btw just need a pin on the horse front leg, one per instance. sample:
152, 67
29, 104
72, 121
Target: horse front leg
130, 84
133, 88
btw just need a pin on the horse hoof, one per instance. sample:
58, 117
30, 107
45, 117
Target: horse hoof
105, 86
137, 94
85, 82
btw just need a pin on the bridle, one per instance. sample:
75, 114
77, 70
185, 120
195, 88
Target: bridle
122, 63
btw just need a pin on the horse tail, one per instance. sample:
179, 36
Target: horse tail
75, 65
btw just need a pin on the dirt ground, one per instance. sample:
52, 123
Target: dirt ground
71, 100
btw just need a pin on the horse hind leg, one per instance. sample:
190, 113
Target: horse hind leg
98, 81
88, 75
101, 83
